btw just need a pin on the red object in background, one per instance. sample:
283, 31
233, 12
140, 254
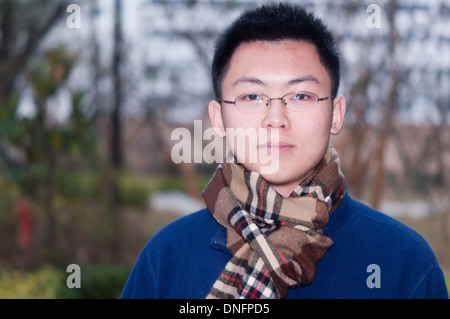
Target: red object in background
25, 225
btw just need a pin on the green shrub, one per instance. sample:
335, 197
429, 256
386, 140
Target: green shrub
48, 282
135, 192
42, 283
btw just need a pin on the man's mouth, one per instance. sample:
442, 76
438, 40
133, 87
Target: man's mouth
277, 147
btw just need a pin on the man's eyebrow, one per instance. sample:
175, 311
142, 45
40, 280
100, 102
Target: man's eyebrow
246, 79
305, 78
252, 80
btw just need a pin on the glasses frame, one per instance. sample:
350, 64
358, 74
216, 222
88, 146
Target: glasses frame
268, 104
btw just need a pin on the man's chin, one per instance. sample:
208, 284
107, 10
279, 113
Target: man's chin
270, 170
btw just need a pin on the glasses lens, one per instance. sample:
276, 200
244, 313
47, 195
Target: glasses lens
300, 101
252, 103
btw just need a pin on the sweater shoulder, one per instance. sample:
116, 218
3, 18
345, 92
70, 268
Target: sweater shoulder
389, 230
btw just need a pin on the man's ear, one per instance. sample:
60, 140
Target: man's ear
337, 121
215, 115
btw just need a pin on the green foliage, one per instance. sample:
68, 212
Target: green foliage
135, 191
47, 77
42, 283
49, 282
8, 198
78, 184
43, 145
7, 111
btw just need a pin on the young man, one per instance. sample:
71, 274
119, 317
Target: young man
293, 232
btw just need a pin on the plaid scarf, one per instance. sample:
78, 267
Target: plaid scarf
276, 241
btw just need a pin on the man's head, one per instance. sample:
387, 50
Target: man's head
274, 23
261, 68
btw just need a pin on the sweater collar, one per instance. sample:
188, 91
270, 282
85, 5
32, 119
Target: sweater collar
219, 240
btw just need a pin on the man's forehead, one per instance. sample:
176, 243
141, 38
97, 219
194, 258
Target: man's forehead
288, 62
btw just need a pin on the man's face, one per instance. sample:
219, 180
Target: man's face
274, 69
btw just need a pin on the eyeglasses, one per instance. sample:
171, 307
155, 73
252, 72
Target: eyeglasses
298, 101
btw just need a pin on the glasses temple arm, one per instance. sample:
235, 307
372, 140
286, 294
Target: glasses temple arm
225, 101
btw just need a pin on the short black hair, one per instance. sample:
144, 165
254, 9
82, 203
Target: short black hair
275, 22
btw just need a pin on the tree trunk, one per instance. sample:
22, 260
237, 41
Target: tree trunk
116, 143
388, 110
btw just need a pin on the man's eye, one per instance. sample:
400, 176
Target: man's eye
301, 97
251, 97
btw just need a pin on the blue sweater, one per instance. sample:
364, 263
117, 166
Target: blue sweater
373, 256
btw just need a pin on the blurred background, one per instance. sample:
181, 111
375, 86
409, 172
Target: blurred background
91, 90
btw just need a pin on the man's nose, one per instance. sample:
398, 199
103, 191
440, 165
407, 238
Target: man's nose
276, 114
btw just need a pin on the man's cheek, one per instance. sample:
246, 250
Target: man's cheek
250, 146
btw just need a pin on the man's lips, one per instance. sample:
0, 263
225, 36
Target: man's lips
280, 147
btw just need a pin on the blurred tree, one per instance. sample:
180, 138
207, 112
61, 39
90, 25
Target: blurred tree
389, 108
116, 125
44, 141
388, 81
18, 41
116, 152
